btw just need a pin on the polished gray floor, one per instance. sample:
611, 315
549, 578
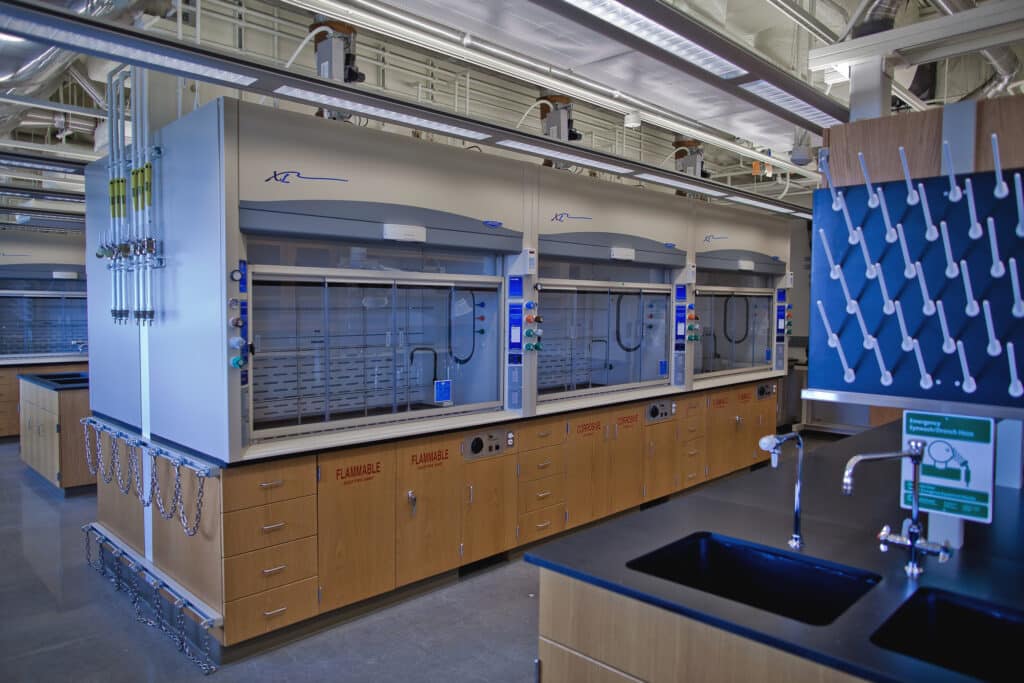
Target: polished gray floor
60, 621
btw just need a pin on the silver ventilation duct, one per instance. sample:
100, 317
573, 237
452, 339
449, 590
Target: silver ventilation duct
1003, 59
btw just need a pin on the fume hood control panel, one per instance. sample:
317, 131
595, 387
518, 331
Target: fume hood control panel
683, 332
514, 372
485, 444
783, 327
660, 411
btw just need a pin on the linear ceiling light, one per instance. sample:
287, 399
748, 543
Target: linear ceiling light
672, 182
801, 214
554, 154
40, 164
761, 205
42, 195
633, 22
48, 34
777, 96
378, 113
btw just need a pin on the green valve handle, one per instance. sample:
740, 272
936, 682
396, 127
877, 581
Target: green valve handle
481, 331
239, 362
537, 347
528, 347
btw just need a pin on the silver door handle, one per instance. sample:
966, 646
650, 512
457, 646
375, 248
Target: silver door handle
543, 494
274, 527
739, 420
543, 525
274, 611
542, 465
410, 495
541, 435
274, 570
470, 493
271, 484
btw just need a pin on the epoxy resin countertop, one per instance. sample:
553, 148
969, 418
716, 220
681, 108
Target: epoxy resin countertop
758, 506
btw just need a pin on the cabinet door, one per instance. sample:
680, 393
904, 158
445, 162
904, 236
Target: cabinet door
626, 458
723, 433
48, 447
489, 509
356, 515
428, 508
661, 466
586, 468
746, 450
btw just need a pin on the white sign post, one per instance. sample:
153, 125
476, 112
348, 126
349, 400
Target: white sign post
958, 465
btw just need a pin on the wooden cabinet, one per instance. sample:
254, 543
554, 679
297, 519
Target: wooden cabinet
661, 464
10, 392
356, 511
692, 462
626, 458
586, 468
51, 435
428, 508
737, 419
490, 510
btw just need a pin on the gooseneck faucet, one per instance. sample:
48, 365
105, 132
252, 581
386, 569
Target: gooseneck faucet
773, 444
911, 536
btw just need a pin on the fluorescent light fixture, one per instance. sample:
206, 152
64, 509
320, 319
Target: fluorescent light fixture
760, 205
42, 195
672, 182
48, 34
5, 38
631, 21
801, 214
378, 113
555, 154
770, 93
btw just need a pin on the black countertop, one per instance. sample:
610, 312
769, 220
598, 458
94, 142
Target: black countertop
59, 381
758, 506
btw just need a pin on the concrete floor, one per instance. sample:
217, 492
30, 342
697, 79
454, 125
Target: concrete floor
61, 621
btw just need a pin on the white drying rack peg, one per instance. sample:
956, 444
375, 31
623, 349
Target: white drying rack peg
948, 343
851, 305
955, 194
885, 376
823, 165
972, 309
1020, 204
872, 199
890, 232
907, 342
926, 379
968, 385
994, 347
952, 270
975, 232
846, 217
908, 265
869, 341
912, 197
1016, 388
998, 269
833, 269
833, 340
928, 308
870, 272
1018, 303
1001, 190
887, 306
931, 233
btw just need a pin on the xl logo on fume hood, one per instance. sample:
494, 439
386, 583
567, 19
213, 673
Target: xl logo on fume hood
286, 177
563, 216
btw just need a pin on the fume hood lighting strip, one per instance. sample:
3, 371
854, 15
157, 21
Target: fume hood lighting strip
800, 214
49, 34
642, 27
378, 112
554, 154
761, 205
650, 177
777, 96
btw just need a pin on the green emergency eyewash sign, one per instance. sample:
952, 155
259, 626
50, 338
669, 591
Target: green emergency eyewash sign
958, 465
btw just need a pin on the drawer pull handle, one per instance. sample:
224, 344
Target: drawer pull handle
271, 484
691, 475
543, 435
274, 570
274, 527
692, 453
543, 494
273, 612
542, 465
544, 525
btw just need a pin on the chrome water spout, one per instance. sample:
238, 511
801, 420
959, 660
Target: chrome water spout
773, 444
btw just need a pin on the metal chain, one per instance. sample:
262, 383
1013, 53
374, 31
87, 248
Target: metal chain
109, 476
158, 497
88, 554
135, 463
191, 530
115, 458
88, 450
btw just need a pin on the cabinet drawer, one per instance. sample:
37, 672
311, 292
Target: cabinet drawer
544, 462
541, 523
541, 493
693, 426
262, 570
267, 525
535, 434
265, 612
252, 485
693, 461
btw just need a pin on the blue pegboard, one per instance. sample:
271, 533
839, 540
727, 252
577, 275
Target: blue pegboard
991, 374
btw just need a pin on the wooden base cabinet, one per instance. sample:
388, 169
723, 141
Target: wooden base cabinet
10, 423
51, 436
626, 458
587, 468
490, 511
661, 464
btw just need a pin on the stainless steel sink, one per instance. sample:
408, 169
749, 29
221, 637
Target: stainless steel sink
807, 589
956, 632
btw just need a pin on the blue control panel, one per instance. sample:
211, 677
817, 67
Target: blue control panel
514, 365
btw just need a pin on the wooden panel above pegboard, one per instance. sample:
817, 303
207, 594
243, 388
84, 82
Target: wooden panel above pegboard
1005, 117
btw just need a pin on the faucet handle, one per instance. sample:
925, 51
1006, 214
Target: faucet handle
944, 555
883, 536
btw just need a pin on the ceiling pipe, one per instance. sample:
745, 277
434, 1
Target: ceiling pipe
1004, 60
87, 85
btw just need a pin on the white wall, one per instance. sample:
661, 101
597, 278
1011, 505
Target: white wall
21, 246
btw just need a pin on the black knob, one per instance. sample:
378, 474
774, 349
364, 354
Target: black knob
654, 410
476, 445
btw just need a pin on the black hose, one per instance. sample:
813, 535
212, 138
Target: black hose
725, 314
618, 326
424, 349
472, 329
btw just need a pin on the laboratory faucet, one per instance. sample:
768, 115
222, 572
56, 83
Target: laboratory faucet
773, 444
911, 536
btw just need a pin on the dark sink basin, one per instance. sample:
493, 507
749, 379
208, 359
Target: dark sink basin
970, 636
803, 588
